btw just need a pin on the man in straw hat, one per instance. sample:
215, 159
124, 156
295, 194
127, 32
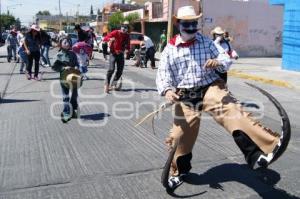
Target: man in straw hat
119, 41
70, 80
187, 77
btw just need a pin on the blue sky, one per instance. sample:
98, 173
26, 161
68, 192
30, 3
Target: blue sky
26, 9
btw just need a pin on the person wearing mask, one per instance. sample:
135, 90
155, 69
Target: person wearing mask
119, 41
32, 48
187, 78
222, 45
67, 65
12, 45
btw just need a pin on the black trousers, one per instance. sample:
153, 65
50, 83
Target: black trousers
114, 60
150, 54
36, 57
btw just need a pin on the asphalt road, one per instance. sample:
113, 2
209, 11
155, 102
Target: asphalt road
102, 154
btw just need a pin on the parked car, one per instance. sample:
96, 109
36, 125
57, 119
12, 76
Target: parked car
134, 42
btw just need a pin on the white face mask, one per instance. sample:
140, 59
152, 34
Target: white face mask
124, 29
187, 34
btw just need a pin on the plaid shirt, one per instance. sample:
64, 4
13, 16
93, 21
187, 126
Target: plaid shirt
182, 65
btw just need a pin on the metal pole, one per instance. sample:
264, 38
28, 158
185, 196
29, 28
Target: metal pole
60, 22
170, 15
0, 22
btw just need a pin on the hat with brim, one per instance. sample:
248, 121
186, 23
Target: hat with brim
187, 13
218, 30
35, 27
71, 78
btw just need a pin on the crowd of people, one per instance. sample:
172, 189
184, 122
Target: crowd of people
192, 76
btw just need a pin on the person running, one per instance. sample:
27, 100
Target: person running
45, 47
12, 45
66, 64
119, 41
32, 49
187, 78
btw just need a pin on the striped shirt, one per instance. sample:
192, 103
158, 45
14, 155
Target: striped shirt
182, 65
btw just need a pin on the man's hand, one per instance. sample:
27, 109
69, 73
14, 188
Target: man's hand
211, 64
171, 96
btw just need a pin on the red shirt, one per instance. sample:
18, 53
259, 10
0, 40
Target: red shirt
121, 41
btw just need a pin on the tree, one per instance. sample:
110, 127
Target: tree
92, 11
116, 19
44, 13
131, 18
7, 21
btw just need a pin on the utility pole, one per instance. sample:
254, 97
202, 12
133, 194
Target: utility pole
60, 20
0, 22
170, 16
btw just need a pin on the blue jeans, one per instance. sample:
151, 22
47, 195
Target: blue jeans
24, 58
12, 51
69, 104
45, 54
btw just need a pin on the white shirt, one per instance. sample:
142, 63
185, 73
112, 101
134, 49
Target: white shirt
148, 42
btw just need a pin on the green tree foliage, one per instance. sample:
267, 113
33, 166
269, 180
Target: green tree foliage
132, 17
116, 19
7, 21
45, 13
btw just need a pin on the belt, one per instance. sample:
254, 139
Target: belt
192, 97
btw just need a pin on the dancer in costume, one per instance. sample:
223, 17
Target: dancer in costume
187, 77
119, 41
70, 80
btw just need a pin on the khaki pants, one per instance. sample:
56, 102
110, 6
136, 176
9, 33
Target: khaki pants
225, 109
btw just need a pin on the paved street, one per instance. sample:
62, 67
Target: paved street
102, 154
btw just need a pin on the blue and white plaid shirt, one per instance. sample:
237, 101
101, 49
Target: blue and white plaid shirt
183, 67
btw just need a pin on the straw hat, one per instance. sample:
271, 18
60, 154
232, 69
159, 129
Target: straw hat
187, 13
35, 27
218, 30
125, 23
71, 77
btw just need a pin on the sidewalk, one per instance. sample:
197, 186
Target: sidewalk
265, 70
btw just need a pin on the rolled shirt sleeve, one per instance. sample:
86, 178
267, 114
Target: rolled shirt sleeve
163, 77
220, 55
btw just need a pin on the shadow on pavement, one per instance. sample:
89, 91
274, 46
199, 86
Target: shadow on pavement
9, 101
262, 181
95, 117
139, 90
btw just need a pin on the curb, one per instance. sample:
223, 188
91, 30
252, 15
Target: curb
274, 82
